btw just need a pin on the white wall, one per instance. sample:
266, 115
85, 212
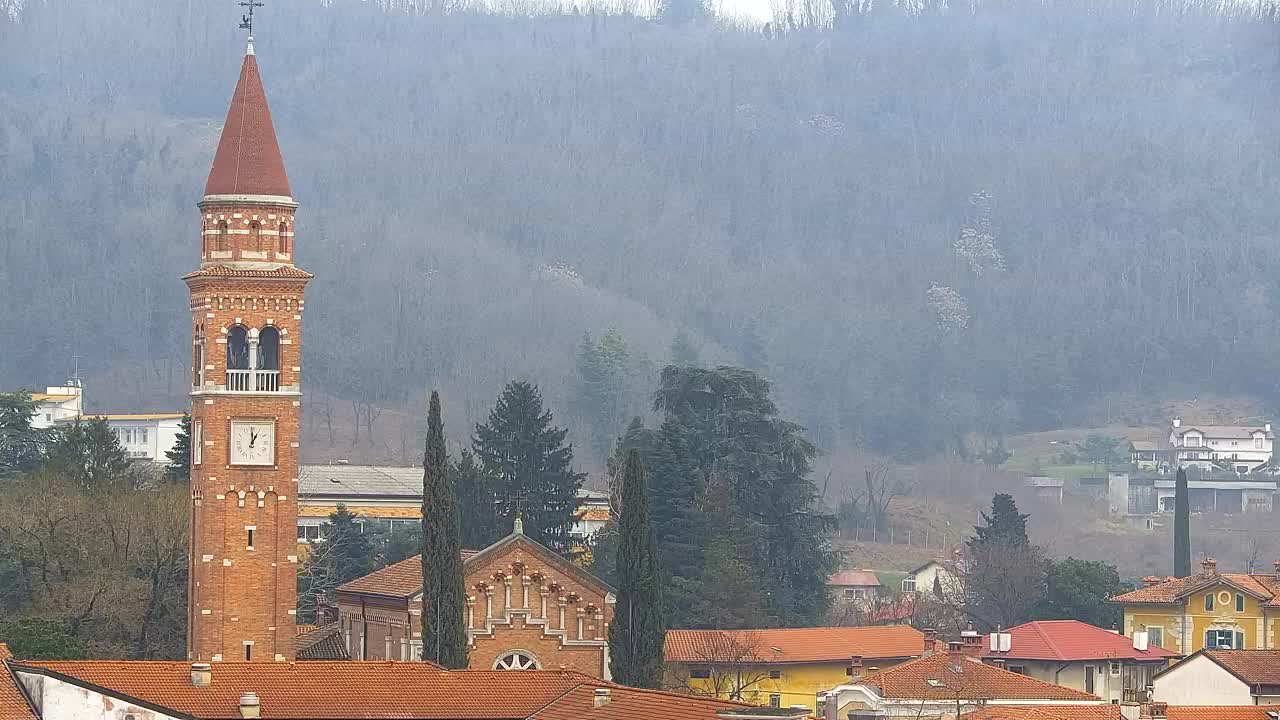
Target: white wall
1200, 681
58, 700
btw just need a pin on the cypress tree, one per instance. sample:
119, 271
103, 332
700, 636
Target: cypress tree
477, 504
1181, 526
639, 628
444, 639
179, 466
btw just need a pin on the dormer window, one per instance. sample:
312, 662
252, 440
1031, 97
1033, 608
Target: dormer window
1192, 441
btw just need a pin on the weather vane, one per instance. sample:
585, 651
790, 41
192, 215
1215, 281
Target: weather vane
246, 21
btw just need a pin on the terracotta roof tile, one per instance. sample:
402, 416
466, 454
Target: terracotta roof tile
1255, 667
1174, 589
1045, 712
854, 578
953, 673
13, 704
632, 704
1071, 640
321, 643
793, 645
283, 271
1220, 712
323, 690
248, 160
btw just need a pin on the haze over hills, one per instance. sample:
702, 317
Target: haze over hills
920, 225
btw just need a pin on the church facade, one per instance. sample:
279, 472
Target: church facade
527, 609
246, 328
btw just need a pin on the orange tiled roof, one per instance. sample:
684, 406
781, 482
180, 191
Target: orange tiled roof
248, 161
1072, 640
854, 578
632, 704
1254, 667
1045, 712
321, 643
1172, 590
13, 704
794, 645
283, 271
953, 673
1221, 712
325, 690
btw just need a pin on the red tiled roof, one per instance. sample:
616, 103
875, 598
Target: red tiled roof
1045, 712
1221, 712
1072, 640
321, 643
248, 160
322, 690
632, 704
854, 578
283, 271
954, 674
1173, 590
1254, 667
793, 645
13, 704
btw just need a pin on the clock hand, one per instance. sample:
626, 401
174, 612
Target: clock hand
253, 437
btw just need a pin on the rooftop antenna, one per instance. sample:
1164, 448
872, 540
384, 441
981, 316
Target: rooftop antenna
246, 21
75, 380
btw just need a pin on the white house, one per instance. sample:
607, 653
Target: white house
146, 436
1221, 677
57, 403
932, 577
1243, 448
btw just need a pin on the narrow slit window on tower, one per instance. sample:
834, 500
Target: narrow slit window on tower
250, 538
248, 652
284, 240
255, 236
221, 244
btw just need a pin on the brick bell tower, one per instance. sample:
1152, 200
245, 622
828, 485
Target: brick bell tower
246, 312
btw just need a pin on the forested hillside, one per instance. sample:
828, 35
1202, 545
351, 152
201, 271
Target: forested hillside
918, 225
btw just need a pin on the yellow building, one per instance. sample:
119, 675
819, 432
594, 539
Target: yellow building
1206, 610
783, 667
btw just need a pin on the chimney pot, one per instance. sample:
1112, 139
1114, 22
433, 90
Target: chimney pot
1276, 566
250, 706
601, 697
1209, 566
1266, 427
201, 674
1151, 580
1177, 422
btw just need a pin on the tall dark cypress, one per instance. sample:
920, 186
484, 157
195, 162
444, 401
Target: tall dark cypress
1181, 526
444, 638
639, 626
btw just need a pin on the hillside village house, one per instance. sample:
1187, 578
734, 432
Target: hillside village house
1206, 610
854, 585
391, 496
527, 608
1080, 656
57, 403
946, 684
1242, 448
144, 436
783, 667
1221, 677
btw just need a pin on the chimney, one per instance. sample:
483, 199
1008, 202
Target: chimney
1177, 422
931, 635
1276, 566
955, 647
1159, 709
250, 707
1208, 567
1152, 580
971, 643
1266, 427
201, 674
601, 697
855, 666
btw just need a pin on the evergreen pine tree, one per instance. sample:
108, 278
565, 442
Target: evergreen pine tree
684, 351
1004, 526
681, 526
638, 630
444, 638
477, 504
1181, 526
22, 447
348, 552
527, 457
604, 545
179, 465
89, 454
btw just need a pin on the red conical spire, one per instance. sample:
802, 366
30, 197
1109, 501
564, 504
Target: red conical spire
248, 160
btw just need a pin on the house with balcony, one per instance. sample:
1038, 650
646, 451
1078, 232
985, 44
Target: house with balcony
1239, 448
1080, 656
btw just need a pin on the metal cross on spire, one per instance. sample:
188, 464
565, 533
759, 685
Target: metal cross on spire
246, 21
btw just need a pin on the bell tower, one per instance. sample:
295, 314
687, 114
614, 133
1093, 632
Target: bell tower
246, 313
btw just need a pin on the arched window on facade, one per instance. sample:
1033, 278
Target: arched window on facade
238, 358
197, 358
284, 239
221, 243
255, 237
268, 376
517, 660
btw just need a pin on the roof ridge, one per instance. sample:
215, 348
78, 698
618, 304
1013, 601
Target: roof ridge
1047, 640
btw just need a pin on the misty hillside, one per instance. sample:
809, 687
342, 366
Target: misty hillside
919, 225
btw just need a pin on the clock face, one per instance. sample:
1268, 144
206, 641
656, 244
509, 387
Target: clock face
253, 442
